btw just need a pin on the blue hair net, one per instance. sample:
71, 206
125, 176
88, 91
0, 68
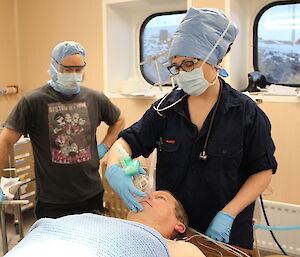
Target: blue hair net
61, 51
199, 31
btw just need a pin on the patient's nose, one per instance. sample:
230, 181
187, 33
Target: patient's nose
149, 196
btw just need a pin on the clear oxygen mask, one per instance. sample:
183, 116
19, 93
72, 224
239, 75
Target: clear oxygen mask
144, 183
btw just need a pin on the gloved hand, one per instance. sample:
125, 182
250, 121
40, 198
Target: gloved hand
124, 187
220, 227
2, 196
102, 150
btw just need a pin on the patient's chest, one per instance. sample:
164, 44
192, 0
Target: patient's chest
90, 235
182, 248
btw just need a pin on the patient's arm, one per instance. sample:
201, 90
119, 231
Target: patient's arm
182, 248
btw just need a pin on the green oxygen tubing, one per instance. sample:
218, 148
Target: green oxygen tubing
131, 167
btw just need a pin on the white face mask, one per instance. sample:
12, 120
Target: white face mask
193, 82
69, 83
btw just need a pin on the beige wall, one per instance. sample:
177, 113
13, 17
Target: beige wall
8, 61
285, 120
43, 24
29, 30
220, 4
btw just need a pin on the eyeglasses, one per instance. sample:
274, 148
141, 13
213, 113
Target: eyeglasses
77, 69
187, 66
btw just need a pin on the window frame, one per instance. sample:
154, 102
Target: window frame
144, 24
255, 33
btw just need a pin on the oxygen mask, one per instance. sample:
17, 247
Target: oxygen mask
144, 183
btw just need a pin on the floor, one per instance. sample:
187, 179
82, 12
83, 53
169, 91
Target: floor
28, 219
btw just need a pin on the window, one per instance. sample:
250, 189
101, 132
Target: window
277, 43
155, 39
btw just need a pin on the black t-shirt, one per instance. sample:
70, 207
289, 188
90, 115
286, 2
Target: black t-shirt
62, 130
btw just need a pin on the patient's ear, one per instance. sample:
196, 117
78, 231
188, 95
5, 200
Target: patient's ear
180, 228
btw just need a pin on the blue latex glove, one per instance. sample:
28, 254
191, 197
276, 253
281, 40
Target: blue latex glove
2, 196
123, 186
102, 150
220, 227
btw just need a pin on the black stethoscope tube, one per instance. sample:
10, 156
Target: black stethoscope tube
203, 154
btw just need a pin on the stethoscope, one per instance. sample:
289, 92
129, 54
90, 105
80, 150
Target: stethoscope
175, 87
203, 153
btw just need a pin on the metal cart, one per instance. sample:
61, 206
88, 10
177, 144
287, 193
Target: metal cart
3, 221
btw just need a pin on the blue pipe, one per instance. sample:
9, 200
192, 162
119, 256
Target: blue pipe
265, 227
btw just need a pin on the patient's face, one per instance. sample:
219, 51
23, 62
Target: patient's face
160, 200
159, 210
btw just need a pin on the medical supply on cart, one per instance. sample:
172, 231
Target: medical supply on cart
10, 186
11, 189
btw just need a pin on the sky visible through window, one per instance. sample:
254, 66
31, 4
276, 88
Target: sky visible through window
281, 23
156, 39
278, 44
166, 20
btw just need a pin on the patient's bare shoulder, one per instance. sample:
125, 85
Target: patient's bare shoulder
183, 249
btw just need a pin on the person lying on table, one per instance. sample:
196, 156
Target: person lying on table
143, 234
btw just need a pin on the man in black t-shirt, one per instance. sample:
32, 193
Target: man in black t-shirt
61, 119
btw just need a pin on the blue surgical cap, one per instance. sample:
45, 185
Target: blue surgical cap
61, 51
199, 31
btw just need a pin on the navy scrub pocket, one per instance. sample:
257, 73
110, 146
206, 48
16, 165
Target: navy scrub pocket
224, 166
167, 164
225, 157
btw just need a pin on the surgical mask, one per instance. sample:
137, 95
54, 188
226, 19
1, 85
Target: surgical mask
67, 83
193, 82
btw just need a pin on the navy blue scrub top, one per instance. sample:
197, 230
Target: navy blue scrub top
239, 145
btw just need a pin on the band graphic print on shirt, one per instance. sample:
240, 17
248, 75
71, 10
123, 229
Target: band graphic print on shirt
69, 133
